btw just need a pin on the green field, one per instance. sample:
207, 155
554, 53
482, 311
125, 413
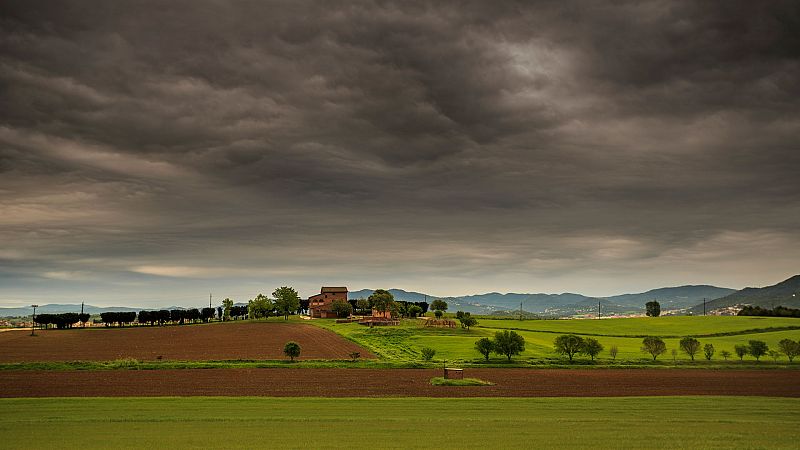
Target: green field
404, 343
247, 422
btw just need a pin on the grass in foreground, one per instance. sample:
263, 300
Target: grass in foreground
442, 381
247, 422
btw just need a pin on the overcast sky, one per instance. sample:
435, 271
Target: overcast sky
153, 152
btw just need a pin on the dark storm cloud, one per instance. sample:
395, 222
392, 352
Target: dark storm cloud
448, 146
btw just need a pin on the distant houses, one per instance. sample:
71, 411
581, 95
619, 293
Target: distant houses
321, 305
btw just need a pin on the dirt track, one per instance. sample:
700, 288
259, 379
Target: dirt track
229, 341
398, 382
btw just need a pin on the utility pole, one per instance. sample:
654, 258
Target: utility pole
83, 324
704, 306
598, 309
520, 310
33, 319
209, 300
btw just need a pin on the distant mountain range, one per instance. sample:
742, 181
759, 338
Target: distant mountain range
680, 297
786, 293
567, 303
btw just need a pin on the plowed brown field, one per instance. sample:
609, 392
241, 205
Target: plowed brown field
229, 341
397, 382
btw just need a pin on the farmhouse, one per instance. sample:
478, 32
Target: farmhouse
321, 305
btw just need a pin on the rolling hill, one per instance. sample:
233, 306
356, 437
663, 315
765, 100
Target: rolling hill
786, 293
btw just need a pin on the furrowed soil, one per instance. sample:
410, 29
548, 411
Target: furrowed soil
201, 342
397, 382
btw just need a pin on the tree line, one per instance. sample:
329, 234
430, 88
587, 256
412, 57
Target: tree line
780, 311
61, 321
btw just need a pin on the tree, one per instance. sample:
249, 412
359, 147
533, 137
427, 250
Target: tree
414, 311
460, 314
741, 350
674, 353
508, 343
381, 300
653, 308
438, 313
484, 346
164, 316
439, 305
467, 320
690, 346
206, 314
757, 349
789, 348
774, 355
708, 351
83, 317
363, 306
177, 316
341, 308
355, 355
568, 344
260, 307
292, 350
227, 304
286, 301
427, 353
725, 354
591, 347
613, 352
654, 345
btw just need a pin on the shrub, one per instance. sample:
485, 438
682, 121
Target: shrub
613, 350
428, 353
708, 351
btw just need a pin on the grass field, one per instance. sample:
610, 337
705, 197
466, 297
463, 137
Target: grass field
247, 422
404, 343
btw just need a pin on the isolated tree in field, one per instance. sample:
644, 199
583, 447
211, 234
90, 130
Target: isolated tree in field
741, 350
690, 346
292, 350
286, 301
438, 313
708, 351
789, 348
427, 353
757, 349
467, 320
414, 311
227, 304
260, 307
439, 305
654, 345
484, 346
725, 354
508, 343
568, 344
613, 350
774, 355
653, 308
341, 308
381, 300
591, 347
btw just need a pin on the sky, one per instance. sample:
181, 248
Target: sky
152, 153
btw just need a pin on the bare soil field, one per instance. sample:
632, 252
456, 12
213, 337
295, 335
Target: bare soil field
228, 341
397, 382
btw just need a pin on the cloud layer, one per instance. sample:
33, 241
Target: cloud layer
154, 152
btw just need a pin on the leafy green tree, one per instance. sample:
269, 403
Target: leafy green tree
654, 345
757, 348
414, 311
708, 351
362, 305
292, 350
460, 314
439, 305
741, 350
341, 308
428, 353
789, 348
286, 301
227, 304
469, 322
484, 346
260, 307
725, 354
206, 314
591, 347
653, 308
690, 346
568, 344
508, 343
438, 313
613, 350
381, 300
